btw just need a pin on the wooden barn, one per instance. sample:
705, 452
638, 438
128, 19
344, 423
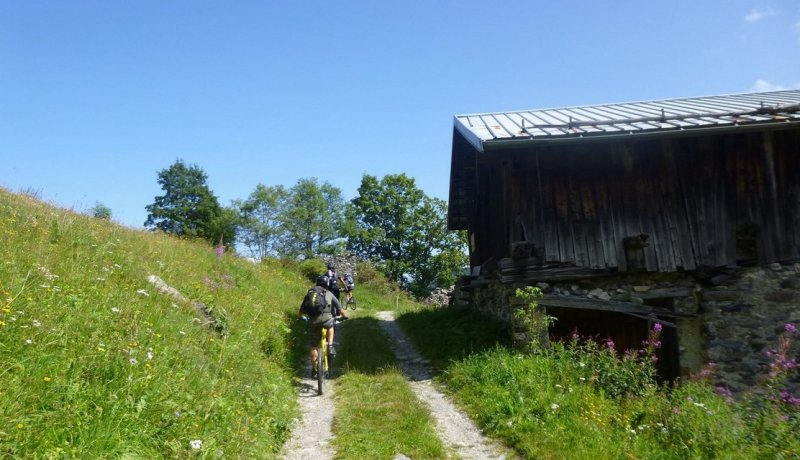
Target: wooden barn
686, 186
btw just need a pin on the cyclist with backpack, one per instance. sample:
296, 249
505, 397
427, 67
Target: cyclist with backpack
320, 308
333, 280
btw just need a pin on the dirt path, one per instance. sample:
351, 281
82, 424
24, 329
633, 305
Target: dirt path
312, 433
457, 431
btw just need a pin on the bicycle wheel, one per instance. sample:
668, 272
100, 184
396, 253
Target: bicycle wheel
321, 352
351, 302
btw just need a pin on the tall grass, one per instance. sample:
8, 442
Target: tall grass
582, 400
96, 363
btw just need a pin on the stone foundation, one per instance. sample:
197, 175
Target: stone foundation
730, 318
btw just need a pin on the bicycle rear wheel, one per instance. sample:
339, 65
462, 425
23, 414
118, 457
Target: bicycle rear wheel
351, 302
321, 369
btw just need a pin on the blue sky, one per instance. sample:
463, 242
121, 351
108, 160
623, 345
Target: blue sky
96, 97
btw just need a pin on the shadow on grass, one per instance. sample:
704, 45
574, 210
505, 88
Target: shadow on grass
363, 347
446, 334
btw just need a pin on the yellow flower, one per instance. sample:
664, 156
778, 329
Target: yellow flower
46, 379
20, 426
101, 349
2, 323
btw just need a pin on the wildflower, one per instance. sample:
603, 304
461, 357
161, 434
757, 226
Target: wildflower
790, 399
790, 328
143, 292
133, 361
178, 414
657, 327
36, 323
20, 426
554, 406
28, 342
725, 392
181, 332
101, 349
610, 344
196, 444
2, 323
149, 354
219, 250
676, 410
46, 379
114, 310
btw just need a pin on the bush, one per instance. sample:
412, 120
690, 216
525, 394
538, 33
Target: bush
312, 268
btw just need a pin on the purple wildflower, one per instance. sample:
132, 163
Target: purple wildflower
219, 250
725, 392
657, 327
790, 328
610, 344
788, 398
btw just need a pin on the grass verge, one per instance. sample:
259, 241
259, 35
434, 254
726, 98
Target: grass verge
377, 414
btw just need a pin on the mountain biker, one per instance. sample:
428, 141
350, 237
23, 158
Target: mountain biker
333, 280
324, 319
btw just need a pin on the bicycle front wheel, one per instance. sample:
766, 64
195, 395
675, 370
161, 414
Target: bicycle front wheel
351, 302
321, 369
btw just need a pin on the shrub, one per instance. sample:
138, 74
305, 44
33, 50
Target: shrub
312, 268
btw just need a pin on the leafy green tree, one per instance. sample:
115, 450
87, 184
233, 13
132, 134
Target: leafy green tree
100, 211
189, 208
312, 220
260, 220
393, 223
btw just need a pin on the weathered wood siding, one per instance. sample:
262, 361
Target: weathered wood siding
577, 203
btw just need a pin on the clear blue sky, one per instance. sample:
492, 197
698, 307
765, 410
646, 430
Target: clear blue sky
96, 97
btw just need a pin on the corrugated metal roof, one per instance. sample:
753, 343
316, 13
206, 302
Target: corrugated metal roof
490, 130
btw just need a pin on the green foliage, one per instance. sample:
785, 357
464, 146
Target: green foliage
583, 400
312, 218
96, 363
530, 320
260, 220
312, 268
394, 224
189, 208
100, 211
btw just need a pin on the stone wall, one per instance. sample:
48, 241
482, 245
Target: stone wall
730, 318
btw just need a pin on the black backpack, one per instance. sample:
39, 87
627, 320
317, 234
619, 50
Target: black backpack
315, 303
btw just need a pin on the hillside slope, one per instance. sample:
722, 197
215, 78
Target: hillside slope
97, 363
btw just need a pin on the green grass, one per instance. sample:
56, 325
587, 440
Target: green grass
377, 415
583, 402
96, 363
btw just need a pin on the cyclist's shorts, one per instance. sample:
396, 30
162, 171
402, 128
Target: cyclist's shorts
315, 334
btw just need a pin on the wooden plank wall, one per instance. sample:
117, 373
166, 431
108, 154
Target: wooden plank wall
689, 195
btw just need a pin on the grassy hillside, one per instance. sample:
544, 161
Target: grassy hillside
96, 362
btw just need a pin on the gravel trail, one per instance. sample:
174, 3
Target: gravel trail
456, 430
458, 433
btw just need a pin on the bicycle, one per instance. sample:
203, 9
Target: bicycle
324, 361
349, 300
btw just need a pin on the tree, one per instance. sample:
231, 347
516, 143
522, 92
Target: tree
312, 220
260, 220
393, 223
189, 208
100, 211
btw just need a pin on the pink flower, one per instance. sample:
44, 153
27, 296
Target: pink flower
790, 328
657, 327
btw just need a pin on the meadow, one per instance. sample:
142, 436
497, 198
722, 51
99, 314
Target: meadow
97, 363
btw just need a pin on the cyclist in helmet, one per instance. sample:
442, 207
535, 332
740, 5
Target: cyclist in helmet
324, 319
333, 280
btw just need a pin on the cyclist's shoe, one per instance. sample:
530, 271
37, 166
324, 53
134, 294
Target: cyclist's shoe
331, 350
313, 373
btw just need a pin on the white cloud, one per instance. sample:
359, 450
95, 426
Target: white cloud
762, 86
757, 15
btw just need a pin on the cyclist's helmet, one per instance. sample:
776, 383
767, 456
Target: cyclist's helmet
322, 281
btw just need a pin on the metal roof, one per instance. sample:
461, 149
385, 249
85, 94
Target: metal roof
517, 129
